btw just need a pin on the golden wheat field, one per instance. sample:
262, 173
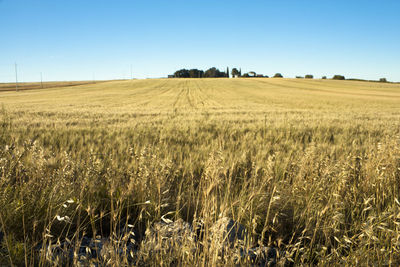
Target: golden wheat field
309, 167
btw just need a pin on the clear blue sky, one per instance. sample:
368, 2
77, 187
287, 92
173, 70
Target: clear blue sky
76, 39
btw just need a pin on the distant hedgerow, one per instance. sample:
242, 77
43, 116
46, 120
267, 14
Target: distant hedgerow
338, 77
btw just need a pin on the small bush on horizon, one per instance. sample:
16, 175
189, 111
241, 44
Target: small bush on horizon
338, 77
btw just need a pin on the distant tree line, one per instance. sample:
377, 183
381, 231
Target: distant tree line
196, 73
235, 73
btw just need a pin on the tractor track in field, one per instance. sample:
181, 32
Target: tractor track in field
162, 89
213, 93
202, 95
148, 91
178, 96
189, 95
192, 95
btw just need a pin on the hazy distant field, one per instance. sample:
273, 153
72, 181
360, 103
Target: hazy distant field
39, 85
309, 166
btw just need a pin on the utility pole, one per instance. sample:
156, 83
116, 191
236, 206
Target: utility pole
131, 73
16, 78
41, 80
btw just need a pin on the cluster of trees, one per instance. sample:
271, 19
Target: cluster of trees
210, 73
216, 73
253, 74
310, 76
341, 77
195, 73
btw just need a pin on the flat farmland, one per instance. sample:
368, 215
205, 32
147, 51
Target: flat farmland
22, 86
310, 167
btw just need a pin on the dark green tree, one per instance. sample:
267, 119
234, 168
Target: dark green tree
309, 76
278, 75
183, 73
339, 77
195, 73
252, 74
214, 73
235, 72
